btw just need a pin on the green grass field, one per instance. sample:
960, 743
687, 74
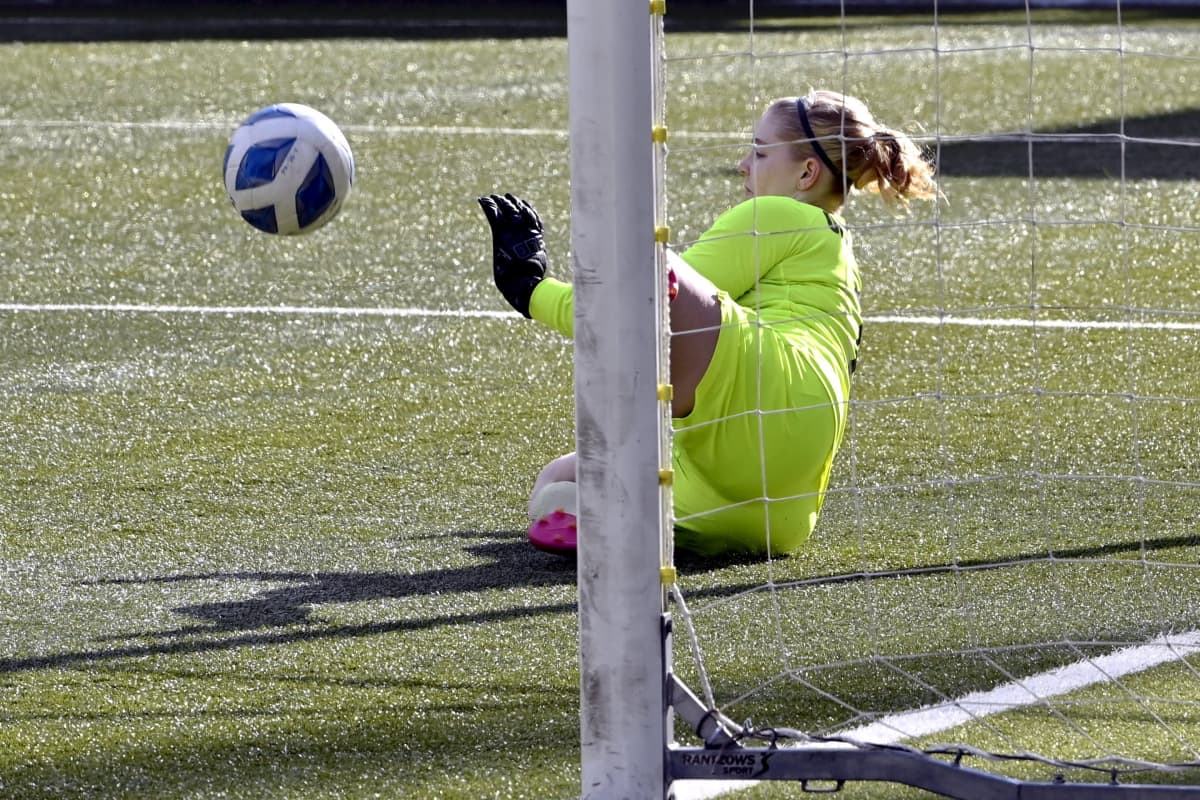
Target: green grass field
252, 553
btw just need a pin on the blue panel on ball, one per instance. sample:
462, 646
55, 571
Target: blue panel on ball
269, 112
262, 218
261, 162
315, 194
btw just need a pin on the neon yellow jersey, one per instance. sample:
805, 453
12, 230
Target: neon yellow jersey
790, 262
793, 264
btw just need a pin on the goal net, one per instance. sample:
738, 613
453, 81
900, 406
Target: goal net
1002, 592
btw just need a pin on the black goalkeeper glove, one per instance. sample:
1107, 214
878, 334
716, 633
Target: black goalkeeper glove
519, 258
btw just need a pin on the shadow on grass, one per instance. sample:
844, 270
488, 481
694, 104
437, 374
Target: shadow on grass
1110, 550
272, 617
1162, 146
511, 564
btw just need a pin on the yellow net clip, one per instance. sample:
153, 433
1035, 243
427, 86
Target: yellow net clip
658, 8
667, 575
666, 477
666, 392
659, 134
662, 234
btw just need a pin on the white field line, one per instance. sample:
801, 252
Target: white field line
1028, 691
740, 138
227, 126
351, 311
1034, 690
236, 311
1040, 322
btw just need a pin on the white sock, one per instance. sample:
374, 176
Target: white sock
556, 496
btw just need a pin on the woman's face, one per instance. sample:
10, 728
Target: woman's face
768, 167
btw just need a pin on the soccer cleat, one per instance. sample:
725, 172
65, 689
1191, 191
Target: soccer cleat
555, 533
552, 525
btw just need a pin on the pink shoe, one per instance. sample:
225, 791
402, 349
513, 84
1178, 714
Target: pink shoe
552, 524
555, 533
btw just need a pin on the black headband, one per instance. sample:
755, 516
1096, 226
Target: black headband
801, 108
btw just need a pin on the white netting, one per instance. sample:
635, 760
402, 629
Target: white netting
1007, 556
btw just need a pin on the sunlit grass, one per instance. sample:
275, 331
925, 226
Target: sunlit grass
282, 555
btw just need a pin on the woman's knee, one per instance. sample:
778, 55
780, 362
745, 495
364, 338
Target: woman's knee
560, 469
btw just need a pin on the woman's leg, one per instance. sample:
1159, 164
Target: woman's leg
695, 326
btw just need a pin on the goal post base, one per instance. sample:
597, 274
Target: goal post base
828, 765
829, 769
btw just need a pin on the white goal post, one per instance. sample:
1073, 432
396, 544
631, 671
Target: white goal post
619, 413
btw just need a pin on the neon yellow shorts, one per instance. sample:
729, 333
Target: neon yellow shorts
752, 460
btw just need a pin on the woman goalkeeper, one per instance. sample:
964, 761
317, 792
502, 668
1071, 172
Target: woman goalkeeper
765, 327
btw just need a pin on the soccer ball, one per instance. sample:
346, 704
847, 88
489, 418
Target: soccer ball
288, 169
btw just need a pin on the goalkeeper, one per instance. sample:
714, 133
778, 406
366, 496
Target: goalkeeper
765, 328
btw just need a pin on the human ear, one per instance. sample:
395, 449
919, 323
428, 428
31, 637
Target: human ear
808, 174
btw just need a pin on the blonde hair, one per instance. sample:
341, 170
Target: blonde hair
846, 136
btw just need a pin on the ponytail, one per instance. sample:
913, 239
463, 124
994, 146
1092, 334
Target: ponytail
892, 165
872, 157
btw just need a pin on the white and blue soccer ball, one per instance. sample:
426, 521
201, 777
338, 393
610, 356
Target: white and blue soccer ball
288, 169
